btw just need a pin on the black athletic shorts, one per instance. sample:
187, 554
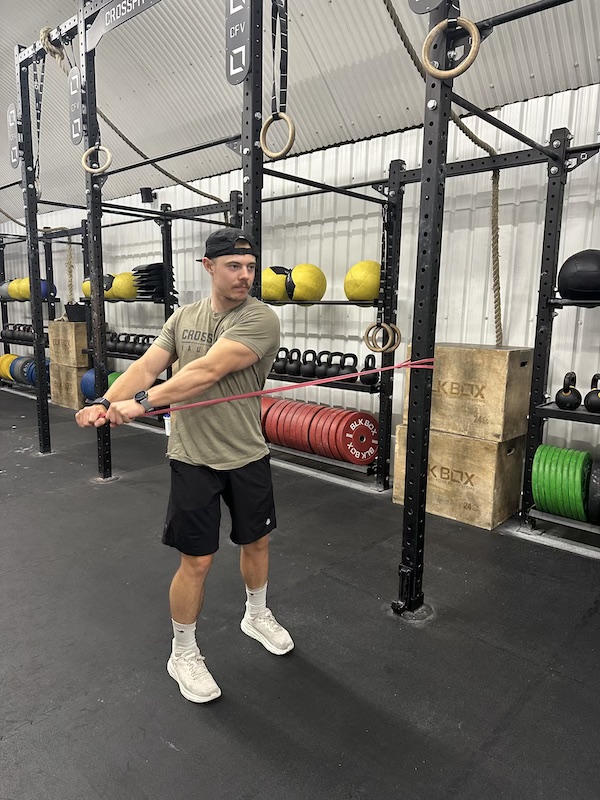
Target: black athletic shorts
194, 512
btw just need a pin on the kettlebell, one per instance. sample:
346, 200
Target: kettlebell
138, 347
568, 398
333, 369
122, 342
369, 380
281, 360
7, 333
349, 369
293, 365
111, 341
592, 399
307, 369
321, 368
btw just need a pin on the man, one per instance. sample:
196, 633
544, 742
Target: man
225, 345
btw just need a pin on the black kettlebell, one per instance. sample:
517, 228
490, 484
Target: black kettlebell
369, 380
111, 341
333, 369
592, 399
122, 342
293, 365
321, 368
568, 398
281, 360
7, 333
349, 369
138, 347
307, 368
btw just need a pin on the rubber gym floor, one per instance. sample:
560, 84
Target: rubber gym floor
496, 695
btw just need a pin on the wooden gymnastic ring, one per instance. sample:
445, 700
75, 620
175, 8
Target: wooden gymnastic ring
96, 170
290, 140
394, 337
471, 29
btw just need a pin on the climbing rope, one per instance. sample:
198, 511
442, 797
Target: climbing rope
495, 214
58, 53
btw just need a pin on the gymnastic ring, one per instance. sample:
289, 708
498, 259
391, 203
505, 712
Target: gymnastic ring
96, 170
394, 337
290, 140
471, 29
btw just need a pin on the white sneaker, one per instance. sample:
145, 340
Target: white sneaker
266, 630
195, 681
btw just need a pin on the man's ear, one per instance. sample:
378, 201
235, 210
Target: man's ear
208, 265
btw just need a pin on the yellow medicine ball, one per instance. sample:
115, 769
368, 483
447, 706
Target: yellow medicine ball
273, 283
306, 282
24, 289
123, 286
362, 281
108, 282
85, 288
15, 289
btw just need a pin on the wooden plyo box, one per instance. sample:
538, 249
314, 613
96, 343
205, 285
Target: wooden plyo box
65, 386
479, 391
469, 480
66, 341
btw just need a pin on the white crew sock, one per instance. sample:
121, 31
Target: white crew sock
256, 601
184, 638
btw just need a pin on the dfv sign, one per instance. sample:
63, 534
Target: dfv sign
237, 40
113, 14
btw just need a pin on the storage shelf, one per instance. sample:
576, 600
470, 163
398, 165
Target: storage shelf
581, 414
19, 342
28, 300
114, 354
558, 302
160, 302
569, 523
350, 387
363, 304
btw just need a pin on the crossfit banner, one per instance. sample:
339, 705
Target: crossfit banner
112, 15
237, 40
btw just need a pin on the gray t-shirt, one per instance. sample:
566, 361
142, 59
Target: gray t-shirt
225, 435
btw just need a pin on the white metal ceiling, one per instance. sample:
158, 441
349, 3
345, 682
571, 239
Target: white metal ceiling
160, 78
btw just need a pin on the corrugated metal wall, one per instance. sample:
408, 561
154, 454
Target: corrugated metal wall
334, 232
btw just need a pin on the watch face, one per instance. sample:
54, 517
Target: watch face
140, 396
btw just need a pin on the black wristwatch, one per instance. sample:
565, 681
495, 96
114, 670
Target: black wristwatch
142, 399
101, 401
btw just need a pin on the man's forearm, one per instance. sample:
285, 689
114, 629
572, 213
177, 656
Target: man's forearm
133, 380
190, 381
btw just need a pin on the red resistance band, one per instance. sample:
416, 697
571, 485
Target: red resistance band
424, 363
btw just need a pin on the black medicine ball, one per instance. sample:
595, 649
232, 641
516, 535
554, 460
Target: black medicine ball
579, 276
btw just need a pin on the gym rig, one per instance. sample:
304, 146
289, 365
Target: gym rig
449, 33
243, 209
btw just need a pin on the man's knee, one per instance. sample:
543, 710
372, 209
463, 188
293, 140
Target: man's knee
259, 546
195, 567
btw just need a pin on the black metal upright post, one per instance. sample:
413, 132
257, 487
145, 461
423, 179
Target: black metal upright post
431, 217
387, 306
236, 201
93, 192
557, 180
252, 155
3, 308
33, 254
49, 264
166, 235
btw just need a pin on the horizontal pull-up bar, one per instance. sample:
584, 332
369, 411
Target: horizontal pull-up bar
519, 13
187, 151
468, 106
136, 213
325, 187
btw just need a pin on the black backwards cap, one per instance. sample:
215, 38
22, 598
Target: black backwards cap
222, 243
